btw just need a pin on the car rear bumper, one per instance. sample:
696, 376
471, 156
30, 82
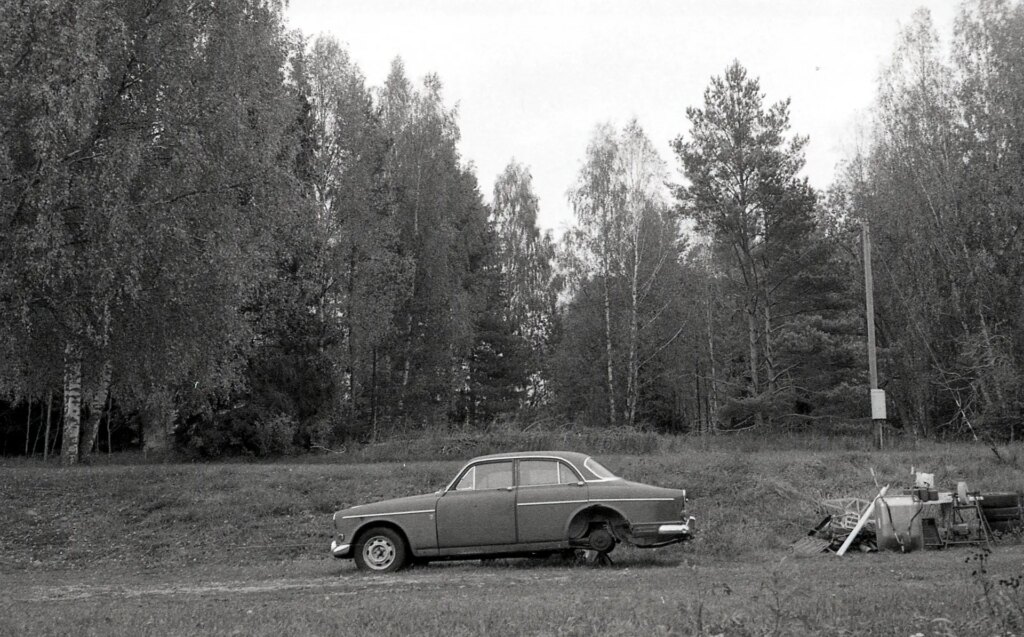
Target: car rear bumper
661, 533
340, 550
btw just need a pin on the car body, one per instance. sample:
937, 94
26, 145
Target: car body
515, 504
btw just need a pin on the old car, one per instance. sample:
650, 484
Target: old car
537, 503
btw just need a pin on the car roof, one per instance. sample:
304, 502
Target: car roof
572, 456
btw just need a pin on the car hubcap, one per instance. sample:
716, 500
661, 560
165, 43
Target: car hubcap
379, 553
601, 540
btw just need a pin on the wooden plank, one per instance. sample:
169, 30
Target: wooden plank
860, 523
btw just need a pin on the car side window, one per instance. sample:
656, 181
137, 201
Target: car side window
468, 481
537, 472
567, 475
489, 475
494, 475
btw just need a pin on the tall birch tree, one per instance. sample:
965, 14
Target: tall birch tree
622, 240
144, 142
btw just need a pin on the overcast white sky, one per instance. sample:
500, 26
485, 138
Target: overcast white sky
532, 78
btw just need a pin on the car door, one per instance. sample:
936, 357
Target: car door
548, 493
480, 509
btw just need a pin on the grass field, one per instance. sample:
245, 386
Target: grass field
130, 548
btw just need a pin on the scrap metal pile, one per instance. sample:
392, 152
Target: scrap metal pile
912, 519
841, 518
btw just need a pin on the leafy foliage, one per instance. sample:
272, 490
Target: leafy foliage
940, 185
214, 233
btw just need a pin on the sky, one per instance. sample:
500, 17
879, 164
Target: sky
533, 78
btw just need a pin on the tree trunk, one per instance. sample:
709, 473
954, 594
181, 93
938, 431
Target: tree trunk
608, 350
921, 410
992, 357
407, 365
769, 363
28, 426
702, 426
713, 390
91, 426
72, 403
57, 435
39, 431
46, 437
158, 417
632, 384
35, 441
351, 335
373, 395
108, 424
754, 381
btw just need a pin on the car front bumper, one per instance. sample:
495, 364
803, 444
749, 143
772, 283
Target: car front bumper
340, 550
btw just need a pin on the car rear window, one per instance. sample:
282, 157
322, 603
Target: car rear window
598, 470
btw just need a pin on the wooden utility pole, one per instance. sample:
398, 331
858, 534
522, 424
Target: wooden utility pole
877, 395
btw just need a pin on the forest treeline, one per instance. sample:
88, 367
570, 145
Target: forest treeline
216, 236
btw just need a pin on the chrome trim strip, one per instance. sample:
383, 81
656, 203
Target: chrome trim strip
533, 504
632, 499
374, 515
674, 528
553, 484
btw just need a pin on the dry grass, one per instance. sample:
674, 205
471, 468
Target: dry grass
251, 542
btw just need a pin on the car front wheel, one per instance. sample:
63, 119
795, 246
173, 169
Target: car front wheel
380, 550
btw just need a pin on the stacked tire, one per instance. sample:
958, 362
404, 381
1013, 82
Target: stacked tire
1004, 512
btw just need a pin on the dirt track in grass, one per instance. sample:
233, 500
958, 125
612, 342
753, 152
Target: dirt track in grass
671, 592
351, 583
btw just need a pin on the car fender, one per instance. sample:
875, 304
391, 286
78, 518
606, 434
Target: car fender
417, 525
586, 512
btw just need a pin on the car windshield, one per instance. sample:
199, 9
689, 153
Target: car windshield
598, 470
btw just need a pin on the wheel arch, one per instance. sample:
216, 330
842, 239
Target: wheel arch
581, 519
369, 525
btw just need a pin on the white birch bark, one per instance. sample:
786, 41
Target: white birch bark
72, 403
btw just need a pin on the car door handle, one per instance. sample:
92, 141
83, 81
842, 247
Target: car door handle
509, 488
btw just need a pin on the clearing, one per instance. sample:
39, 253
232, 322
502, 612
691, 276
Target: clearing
157, 549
